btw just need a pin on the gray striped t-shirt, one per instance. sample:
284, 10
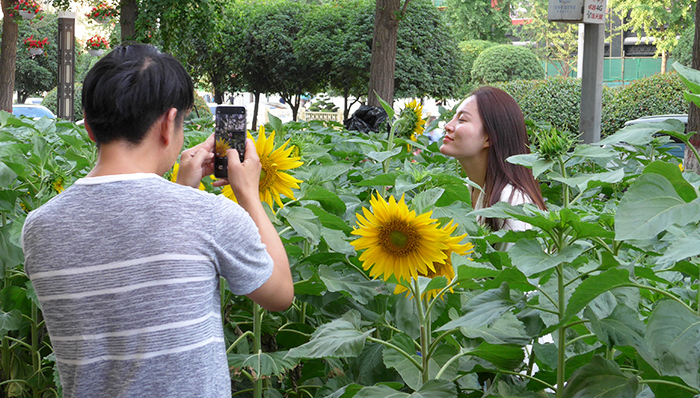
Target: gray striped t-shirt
127, 270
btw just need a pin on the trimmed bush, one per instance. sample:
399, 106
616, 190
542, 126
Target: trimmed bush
201, 109
51, 101
471, 49
506, 62
558, 100
659, 94
683, 52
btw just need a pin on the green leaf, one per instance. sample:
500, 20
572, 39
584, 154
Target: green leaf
336, 241
381, 180
622, 328
424, 201
265, 363
431, 389
304, 222
504, 356
7, 176
341, 337
689, 76
593, 286
328, 200
484, 309
672, 333
651, 205
680, 249
584, 181
663, 389
638, 134
9, 321
387, 107
394, 359
675, 177
351, 284
528, 257
329, 220
505, 330
383, 155
600, 379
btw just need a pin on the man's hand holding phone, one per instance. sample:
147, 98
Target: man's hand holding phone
196, 163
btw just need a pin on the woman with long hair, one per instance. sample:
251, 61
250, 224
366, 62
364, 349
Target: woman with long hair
487, 128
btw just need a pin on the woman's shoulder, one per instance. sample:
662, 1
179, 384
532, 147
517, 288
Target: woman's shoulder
514, 196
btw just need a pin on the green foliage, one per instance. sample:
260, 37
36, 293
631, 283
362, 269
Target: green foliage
505, 63
200, 109
322, 103
479, 20
472, 49
683, 52
655, 95
51, 101
35, 75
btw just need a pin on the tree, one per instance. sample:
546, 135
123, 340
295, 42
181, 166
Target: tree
690, 162
662, 20
387, 15
555, 42
479, 19
8, 54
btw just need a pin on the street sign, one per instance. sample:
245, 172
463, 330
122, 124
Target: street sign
577, 11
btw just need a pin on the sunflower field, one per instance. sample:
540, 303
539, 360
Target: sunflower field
399, 293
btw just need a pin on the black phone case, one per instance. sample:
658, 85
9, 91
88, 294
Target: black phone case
230, 132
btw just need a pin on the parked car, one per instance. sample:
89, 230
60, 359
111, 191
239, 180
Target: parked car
32, 110
677, 147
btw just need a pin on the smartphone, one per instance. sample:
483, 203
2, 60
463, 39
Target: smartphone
230, 132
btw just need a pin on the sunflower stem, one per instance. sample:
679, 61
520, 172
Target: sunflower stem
389, 147
257, 348
424, 331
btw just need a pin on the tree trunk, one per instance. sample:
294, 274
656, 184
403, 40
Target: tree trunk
383, 63
256, 107
127, 19
664, 61
8, 57
689, 162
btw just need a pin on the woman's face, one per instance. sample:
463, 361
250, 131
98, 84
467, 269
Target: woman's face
464, 134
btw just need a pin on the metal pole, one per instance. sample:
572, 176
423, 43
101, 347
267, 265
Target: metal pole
66, 65
592, 82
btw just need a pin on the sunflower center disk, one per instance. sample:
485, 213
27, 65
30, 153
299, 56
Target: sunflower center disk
399, 238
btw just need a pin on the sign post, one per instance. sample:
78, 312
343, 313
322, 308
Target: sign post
66, 65
591, 15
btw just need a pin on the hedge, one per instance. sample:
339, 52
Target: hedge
558, 100
506, 62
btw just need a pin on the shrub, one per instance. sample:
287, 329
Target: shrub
200, 109
471, 49
51, 101
654, 95
504, 63
683, 52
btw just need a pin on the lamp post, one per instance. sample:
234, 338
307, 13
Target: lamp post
66, 65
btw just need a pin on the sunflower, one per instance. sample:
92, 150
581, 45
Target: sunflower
221, 147
57, 184
444, 269
173, 176
273, 182
398, 242
411, 119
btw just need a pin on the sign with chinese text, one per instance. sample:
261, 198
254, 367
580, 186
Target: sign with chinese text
577, 11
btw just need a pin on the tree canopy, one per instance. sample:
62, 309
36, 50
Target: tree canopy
479, 19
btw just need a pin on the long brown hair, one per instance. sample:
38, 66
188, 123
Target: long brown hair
504, 124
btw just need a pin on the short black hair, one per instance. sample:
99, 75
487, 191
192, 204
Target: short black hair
130, 88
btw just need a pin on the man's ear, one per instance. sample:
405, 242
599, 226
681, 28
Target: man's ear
167, 126
89, 131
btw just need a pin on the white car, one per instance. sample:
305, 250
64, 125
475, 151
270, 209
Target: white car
32, 110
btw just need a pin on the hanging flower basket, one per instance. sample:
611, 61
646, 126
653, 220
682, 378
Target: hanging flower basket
27, 9
35, 46
102, 13
96, 45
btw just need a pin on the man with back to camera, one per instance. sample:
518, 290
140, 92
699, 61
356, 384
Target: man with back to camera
126, 264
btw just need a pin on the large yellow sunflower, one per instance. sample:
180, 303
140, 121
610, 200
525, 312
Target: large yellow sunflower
444, 269
273, 182
396, 241
413, 123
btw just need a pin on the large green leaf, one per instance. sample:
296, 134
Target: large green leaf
431, 389
651, 205
639, 134
394, 359
504, 356
584, 181
264, 363
689, 76
593, 286
484, 309
673, 174
380, 180
505, 330
622, 328
328, 200
350, 284
528, 257
9, 321
341, 337
7, 176
667, 387
425, 201
383, 155
336, 240
600, 378
304, 222
672, 334
329, 220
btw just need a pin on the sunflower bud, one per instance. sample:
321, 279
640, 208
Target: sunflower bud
551, 143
